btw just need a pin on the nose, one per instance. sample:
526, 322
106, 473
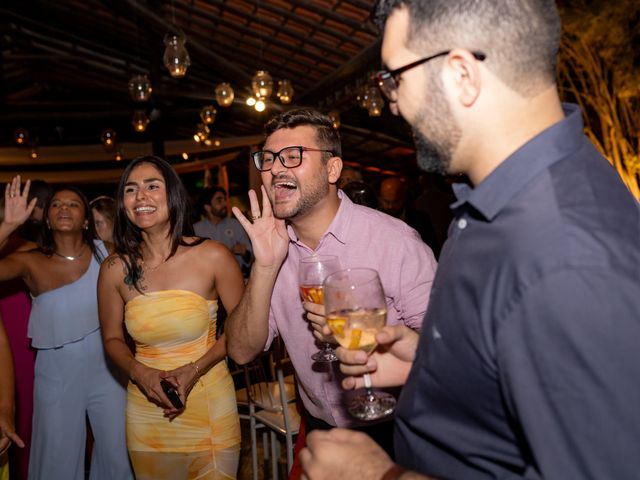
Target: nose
140, 194
277, 167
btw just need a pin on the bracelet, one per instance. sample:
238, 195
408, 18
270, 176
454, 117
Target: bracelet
394, 472
197, 372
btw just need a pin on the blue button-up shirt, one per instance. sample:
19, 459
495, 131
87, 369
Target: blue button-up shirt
527, 365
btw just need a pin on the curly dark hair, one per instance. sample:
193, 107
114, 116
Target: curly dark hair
328, 137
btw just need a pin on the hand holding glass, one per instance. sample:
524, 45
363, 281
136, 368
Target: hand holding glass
312, 272
356, 310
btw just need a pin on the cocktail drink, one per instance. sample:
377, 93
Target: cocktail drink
356, 310
312, 272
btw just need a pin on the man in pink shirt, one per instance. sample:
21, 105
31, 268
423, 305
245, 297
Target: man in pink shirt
303, 214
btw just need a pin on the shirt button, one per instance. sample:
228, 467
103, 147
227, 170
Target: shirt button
462, 223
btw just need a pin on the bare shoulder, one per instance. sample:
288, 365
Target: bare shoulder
112, 268
210, 249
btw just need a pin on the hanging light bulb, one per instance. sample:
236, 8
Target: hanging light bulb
224, 94
140, 121
176, 58
260, 106
208, 114
140, 88
119, 155
262, 84
251, 101
202, 133
334, 115
375, 103
108, 138
285, 91
21, 136
217, 142
185, 156
33, 153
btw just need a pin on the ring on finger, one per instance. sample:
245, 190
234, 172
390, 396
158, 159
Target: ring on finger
255, 217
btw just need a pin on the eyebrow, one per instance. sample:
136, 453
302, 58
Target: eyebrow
146, 180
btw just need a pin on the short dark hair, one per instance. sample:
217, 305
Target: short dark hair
205, 197
520, 37
47, 244
127, 238
327, 137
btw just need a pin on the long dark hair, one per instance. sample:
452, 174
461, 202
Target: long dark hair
127, 237
46, 243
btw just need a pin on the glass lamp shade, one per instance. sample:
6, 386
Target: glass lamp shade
208, 114
176, 58
33, 153
140, 88
224, 94
262, 84
21, 136
334, 115
285, 91
119, 155
140, 121
363, 98
108, 138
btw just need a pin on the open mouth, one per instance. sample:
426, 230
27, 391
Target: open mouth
144, 210
283, 189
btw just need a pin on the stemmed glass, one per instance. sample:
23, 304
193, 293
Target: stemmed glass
312, 272
356, 310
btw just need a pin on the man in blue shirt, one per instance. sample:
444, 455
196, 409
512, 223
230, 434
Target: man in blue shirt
527, 363
218, 226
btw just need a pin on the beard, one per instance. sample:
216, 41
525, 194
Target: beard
435, 131
310, 195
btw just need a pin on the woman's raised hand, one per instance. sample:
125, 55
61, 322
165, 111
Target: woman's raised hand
16, 209
267, 233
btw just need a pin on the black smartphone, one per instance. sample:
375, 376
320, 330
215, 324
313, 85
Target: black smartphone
171, 394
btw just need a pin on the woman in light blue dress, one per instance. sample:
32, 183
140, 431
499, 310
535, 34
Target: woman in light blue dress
73, 380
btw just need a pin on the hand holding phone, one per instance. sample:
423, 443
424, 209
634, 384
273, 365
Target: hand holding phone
172, 394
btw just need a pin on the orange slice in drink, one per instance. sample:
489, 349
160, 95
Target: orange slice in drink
336, 324
356, 334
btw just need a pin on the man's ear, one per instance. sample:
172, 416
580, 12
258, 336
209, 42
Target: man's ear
334, 169
464, 76
207, 208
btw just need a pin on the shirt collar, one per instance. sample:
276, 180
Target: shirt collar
535, 156
337, 227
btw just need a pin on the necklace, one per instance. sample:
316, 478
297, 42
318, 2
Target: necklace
70, 257
151, 269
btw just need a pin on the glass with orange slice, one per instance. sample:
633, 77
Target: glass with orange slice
356, 310
311, 272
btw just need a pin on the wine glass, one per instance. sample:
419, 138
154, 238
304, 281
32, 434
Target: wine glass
312, 272
356, 310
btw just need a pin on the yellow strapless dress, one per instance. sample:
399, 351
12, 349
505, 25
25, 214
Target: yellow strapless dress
172, 328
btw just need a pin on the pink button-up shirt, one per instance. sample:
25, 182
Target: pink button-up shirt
359, 237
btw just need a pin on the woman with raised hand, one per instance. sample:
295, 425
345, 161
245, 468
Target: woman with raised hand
72, 378
164, 284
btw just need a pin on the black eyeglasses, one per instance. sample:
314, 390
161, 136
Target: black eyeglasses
290, 157
388, 80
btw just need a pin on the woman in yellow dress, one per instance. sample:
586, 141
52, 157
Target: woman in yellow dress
164, 285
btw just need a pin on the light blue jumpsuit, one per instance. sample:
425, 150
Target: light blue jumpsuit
73, 380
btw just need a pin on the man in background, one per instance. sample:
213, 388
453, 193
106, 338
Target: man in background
218, 226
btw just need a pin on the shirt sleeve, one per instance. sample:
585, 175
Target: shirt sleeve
568, 363
414, 279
